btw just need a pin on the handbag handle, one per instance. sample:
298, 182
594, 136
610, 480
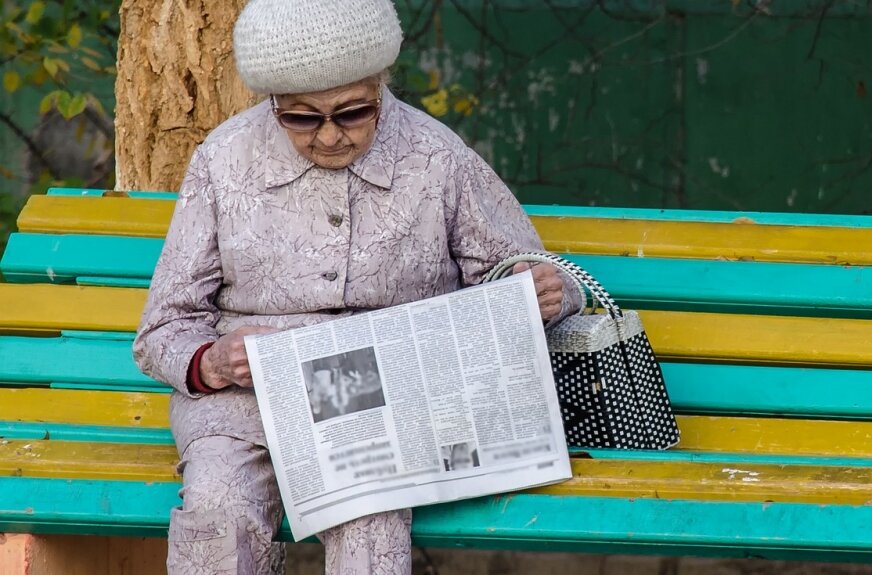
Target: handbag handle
582, 278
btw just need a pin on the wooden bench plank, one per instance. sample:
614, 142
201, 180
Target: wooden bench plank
85, 460
710, 216
648, 283
759, 339
58, 307
63, 258
70, 360
522, 521
591, 477
111, 408
674, 335
91, 193
36, 430
771, 218
750, 435
113, 216
603, 236
699, 240
101, 364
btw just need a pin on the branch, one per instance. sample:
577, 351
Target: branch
28, 141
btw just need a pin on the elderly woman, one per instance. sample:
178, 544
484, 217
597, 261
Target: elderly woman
329, 198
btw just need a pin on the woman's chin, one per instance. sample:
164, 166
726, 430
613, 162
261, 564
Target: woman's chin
335, 161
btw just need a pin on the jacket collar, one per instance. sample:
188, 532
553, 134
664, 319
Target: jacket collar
376, 166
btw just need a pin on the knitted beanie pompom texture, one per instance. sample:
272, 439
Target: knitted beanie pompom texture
296, 46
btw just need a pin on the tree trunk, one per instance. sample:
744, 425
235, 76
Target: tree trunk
176, 82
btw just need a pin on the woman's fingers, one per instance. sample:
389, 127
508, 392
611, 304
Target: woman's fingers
549, 287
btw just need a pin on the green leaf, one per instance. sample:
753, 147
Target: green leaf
76, 106
62, 102
11, 81
47, 102
51, 66
74, 36
34, 13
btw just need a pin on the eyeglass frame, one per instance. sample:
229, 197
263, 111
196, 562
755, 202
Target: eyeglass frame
377, 102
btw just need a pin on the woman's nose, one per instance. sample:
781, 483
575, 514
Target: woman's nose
329, 134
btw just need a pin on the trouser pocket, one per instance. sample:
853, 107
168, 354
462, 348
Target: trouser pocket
201, 543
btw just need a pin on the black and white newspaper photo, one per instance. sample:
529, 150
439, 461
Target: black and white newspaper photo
433, 401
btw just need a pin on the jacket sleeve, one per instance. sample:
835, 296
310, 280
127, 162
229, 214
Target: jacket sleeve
180, 314
488, 225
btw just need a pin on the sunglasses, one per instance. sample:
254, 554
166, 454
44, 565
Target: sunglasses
346, 118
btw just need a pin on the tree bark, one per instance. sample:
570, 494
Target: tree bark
176, 82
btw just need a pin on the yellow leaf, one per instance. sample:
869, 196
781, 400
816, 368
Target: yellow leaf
34, 13
51, 66
62, 64
465, 105
91, 64
11, 81
74, 36
437, 103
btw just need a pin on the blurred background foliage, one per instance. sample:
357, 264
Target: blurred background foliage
58, 71
703, 104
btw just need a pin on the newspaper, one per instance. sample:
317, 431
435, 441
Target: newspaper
442, 399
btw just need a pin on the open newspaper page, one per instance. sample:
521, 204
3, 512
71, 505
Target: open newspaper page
442, 399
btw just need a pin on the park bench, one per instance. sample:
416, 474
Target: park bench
763, 323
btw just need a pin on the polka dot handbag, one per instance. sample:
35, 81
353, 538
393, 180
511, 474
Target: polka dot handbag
609, 383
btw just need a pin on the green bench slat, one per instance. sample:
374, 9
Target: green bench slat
70, 360
771, 218
63, 258
645, 283
694, 388
767, 218
791, 391
514, 521
37, 430
156, 388
89, 193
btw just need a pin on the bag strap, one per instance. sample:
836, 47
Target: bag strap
582, 278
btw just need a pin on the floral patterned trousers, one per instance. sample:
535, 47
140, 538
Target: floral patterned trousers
232, 509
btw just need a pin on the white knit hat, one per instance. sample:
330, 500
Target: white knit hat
295, 46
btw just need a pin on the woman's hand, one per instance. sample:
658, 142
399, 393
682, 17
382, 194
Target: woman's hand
549, 287
226, 363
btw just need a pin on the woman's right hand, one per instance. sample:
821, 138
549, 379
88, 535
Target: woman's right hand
226, 362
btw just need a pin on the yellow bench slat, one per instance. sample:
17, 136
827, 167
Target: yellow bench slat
100, 216
770, 436
678, 335
704, 240
760, 338
765, 436
56, 307
615, 478
717, 482
84, 460
644, 238
109, 408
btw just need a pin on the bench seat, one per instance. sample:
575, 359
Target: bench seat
763, 323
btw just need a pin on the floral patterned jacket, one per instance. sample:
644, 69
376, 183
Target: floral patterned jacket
262, 236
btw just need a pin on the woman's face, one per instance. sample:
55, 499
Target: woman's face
330, 146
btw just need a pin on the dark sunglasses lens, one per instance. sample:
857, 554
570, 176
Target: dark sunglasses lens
300, 122
356, 116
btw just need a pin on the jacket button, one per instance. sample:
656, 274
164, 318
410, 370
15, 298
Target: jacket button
329, 276
335, 220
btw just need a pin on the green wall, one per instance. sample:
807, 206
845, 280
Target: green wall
707, 104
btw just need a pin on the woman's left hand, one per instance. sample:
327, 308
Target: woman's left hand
549, 287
